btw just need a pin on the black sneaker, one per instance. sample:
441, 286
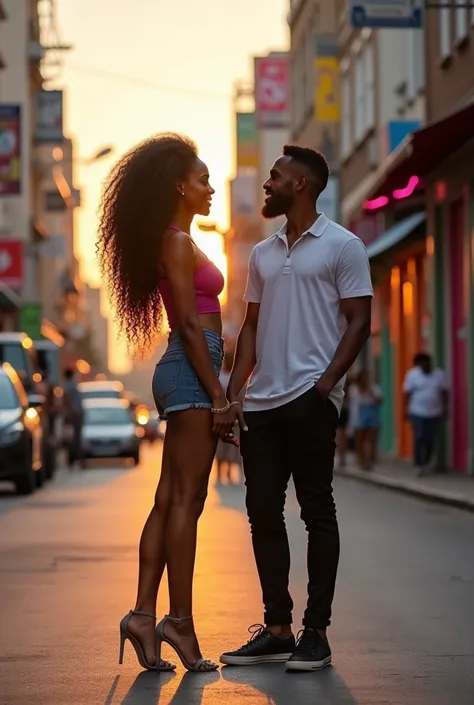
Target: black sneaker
263, 647
311, 654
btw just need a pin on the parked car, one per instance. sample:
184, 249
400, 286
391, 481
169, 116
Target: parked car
18, 350
110, 431
21, 434
154, 428
100, 390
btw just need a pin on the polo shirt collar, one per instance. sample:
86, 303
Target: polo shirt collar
317, 228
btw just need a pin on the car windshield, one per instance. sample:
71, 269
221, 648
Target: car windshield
100, 394
15, 354
8, 397
107, 416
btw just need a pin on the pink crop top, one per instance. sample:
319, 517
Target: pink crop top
208, 284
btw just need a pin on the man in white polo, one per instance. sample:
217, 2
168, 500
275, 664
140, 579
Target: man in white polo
308, 316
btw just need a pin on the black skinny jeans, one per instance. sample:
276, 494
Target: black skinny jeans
297, 439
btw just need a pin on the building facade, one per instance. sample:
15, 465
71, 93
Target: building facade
407, 190
382, 102
450, 213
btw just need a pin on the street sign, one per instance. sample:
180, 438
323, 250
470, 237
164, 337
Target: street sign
386, 13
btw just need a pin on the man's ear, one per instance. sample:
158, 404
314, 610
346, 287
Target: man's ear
301, 183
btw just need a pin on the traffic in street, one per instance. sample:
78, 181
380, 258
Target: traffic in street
402, 630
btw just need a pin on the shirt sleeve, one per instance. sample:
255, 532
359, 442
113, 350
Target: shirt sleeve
353, 271
253, 290
408, 383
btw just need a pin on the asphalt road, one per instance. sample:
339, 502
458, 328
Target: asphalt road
403, 631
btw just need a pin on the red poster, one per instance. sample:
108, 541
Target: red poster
272, 86
11, 263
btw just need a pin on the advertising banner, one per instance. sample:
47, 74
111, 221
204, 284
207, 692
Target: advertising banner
246, 140
10, 150
272, 90
49, 117
327, 89
30, 320
11, 263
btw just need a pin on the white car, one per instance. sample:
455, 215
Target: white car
100, 390
110, 430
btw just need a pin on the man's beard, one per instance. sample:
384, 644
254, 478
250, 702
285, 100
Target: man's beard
278, 204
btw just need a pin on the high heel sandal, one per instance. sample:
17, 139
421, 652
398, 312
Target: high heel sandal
160, 665
202, 665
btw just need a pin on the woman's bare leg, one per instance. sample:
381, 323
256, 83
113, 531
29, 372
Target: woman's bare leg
152, 561
192, 450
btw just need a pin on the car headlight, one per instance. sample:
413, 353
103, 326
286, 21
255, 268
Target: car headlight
11, 434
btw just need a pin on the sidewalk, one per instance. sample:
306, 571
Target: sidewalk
453, 489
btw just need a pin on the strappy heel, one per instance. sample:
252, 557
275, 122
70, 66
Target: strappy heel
202, 665
160, 665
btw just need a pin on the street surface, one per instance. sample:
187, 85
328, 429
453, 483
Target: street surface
403, 631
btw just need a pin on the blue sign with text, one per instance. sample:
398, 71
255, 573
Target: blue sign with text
386, 13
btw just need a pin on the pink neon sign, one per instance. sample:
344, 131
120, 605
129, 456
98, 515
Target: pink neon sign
400, 193
379, 202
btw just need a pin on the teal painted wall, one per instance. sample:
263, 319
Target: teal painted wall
439, 316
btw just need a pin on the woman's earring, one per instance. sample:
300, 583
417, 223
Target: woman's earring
182, 193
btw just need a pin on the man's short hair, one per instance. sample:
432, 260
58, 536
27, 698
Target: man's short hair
314, 161
420, 358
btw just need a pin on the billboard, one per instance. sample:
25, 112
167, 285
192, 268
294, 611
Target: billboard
49, 116
272, 90
246, 140
10, 150
11, 263
386, 13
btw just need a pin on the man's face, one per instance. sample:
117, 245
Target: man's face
280, 189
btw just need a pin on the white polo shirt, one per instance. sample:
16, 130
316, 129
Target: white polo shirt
300, 323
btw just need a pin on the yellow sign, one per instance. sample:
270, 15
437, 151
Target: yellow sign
327, 89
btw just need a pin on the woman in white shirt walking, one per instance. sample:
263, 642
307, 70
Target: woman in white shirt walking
426, 403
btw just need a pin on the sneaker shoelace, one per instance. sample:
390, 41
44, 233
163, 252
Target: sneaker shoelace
257, 631
305, 641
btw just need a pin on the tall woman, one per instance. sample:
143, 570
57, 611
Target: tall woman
151, 264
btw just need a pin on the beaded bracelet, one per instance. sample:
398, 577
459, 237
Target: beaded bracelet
224, 409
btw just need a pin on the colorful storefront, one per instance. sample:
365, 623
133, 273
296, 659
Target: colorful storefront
424, 279
399, 270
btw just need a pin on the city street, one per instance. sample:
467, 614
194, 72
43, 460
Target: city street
403, 631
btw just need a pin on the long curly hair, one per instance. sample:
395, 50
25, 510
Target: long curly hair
139, 201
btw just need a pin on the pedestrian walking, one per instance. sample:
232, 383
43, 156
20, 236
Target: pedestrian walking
308, 316
74, 418
367, 399
151, 263
426, 404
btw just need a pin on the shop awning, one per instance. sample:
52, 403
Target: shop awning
396, 234
422, 151
8, 298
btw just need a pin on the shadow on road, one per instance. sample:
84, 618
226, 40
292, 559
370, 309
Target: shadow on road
283, 688
146, 688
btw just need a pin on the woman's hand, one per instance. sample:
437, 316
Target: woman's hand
224, 422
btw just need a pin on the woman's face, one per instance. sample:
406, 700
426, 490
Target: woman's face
197, 190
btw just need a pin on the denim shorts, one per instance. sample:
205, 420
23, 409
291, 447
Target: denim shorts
175, 385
